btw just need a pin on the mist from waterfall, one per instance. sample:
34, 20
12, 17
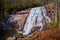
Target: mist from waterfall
35, 18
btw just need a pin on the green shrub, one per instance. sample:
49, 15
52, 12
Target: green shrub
52, 24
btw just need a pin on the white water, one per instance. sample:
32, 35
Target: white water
39, 13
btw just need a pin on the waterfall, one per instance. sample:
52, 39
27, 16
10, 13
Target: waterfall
35, 18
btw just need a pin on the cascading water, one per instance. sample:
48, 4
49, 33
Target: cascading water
12, 21
35, 18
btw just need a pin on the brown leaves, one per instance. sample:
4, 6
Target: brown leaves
51, 34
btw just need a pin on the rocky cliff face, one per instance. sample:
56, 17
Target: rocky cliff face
21, 22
